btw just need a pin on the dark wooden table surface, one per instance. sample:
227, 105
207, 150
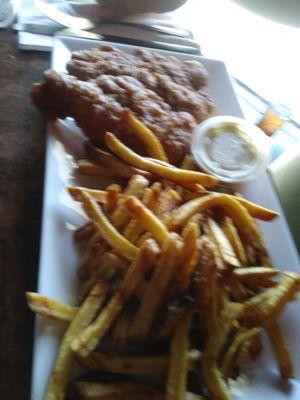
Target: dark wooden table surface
22, 148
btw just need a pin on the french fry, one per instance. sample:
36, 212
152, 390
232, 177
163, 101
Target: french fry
281, 350
109, 264
220, 264
90, 259
84, 232
50, 308
238, 340
206, 288
225, 249
153, 145
120, 331
264, 307
171, 321
255, 275
214, 347
168, 200
86, 167
117, 391
167, 172
136, 365
238, 291
178, 367
236, 211
257, 211
106, 229
134, 229
156, 288
190, 256
231, 232
92, 335
148, 220
123, 391
65, 359
114, 163
189, 163
98, 195
135, 187
112, 195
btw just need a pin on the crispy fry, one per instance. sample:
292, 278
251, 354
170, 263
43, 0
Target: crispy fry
84, 232
90, 259
253, 274
237, 212
264, 307
206, 288
257, 211
117, 391
114, 163
220, 264
214, 348
190, 256
65, 359
108, 264
148, 220
167, 172
189, 163
50, 308
237, 342
171, 321
168, 200
135, 187
86, 167
120, 331
108, 231
89, 339
157, 286
281, 350
134, 229
76, 193
234, 239
135, 365
226, 251
112, 195
178, 370
153, 145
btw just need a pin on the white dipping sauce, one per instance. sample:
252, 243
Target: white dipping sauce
230, 148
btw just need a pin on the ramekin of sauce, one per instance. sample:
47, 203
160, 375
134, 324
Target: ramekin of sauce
230, 148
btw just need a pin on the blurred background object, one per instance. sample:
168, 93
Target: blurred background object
285, 174
283, 11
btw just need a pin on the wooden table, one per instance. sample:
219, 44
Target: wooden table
22, 147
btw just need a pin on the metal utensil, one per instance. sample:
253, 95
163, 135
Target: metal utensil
131, 41
72, 22
165, 30
63, 18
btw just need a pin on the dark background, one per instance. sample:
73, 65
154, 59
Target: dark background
22, 148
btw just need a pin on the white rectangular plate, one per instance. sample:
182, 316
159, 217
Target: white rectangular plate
58, 259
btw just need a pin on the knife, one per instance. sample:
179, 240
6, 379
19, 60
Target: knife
77, 33
63, 18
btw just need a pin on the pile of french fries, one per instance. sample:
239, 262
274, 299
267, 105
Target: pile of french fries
177, 283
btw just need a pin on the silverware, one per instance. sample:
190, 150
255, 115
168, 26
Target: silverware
76, 33
62, 18
72, 22
165, 30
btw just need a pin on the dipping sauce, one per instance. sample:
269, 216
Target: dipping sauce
230, 148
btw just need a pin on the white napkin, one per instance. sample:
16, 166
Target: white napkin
30, 15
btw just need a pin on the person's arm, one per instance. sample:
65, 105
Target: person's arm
110, 9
